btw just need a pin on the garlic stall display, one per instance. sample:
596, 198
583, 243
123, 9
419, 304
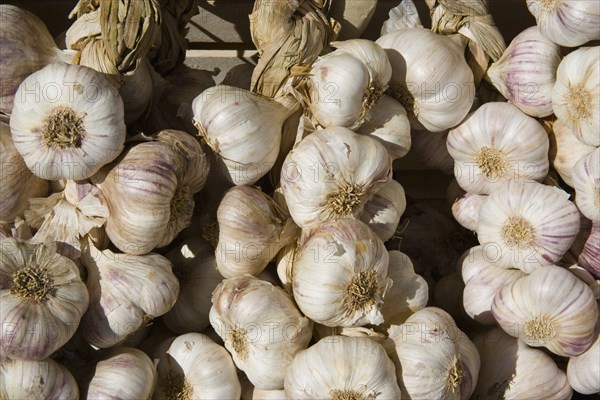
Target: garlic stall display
308, 199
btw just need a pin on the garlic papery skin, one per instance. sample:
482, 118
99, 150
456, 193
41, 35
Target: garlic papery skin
569, 23
42, 299
527, 225
340, 275
583, 371
512, 370
586, 181
526, 72
550, 307
195, 367
331, 174
465, 209
242, 128
261, 327
430, 77
252, 229
122, 373
495, 144
339, 368
437, 360
382, 213
576, 93
389, 124
568, 150
195, 267
116, 311
67, 122
483, 279
18, 183
409, 292
36, 380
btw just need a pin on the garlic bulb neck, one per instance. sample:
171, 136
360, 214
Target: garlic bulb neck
361, 292
63, 127
347, 200
540, 329
517, 231
492, 162
177, 387
33, 284
579, 101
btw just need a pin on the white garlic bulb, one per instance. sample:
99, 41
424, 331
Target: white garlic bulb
382, 213
527, 225
586, 181
526, 72
340, 274
438, 361
568, 151
42, 299
512, 370
116, 311
495, 144
340, 367
252, 230
242, 128
67, 122
483, 279
389, 124
569, 23
331, 174
465, 209
583, 370
36, 380
550, 308
576, 94
261, 327
430, 77
122, 373
192, 366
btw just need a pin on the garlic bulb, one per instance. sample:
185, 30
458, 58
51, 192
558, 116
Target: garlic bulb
483, 279
36, 380
550, 308
382, 213
67, 122
408, 294
18, 183
527, 225
512, 370
261, 327
389, 124
116, 311
42, 299
340, 275
242, 128
465, 209
583, 370
568, 150
495, 144
430, 148
195, 267
331, 174
526, 72
438, 361
586, 181
339, 368
589, 257
430, 77
122, 373
252, 229
195, 367
576, 93
569, 23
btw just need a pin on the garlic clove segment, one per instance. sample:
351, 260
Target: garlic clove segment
527, 225
194, 367
586, 181
67, 122
495, 144
566, 151
583, 370
42, 299
550, 307
339, 368
569, 23
576, 93
382, 213
261, 327
340, 275
36, 380
465, 209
